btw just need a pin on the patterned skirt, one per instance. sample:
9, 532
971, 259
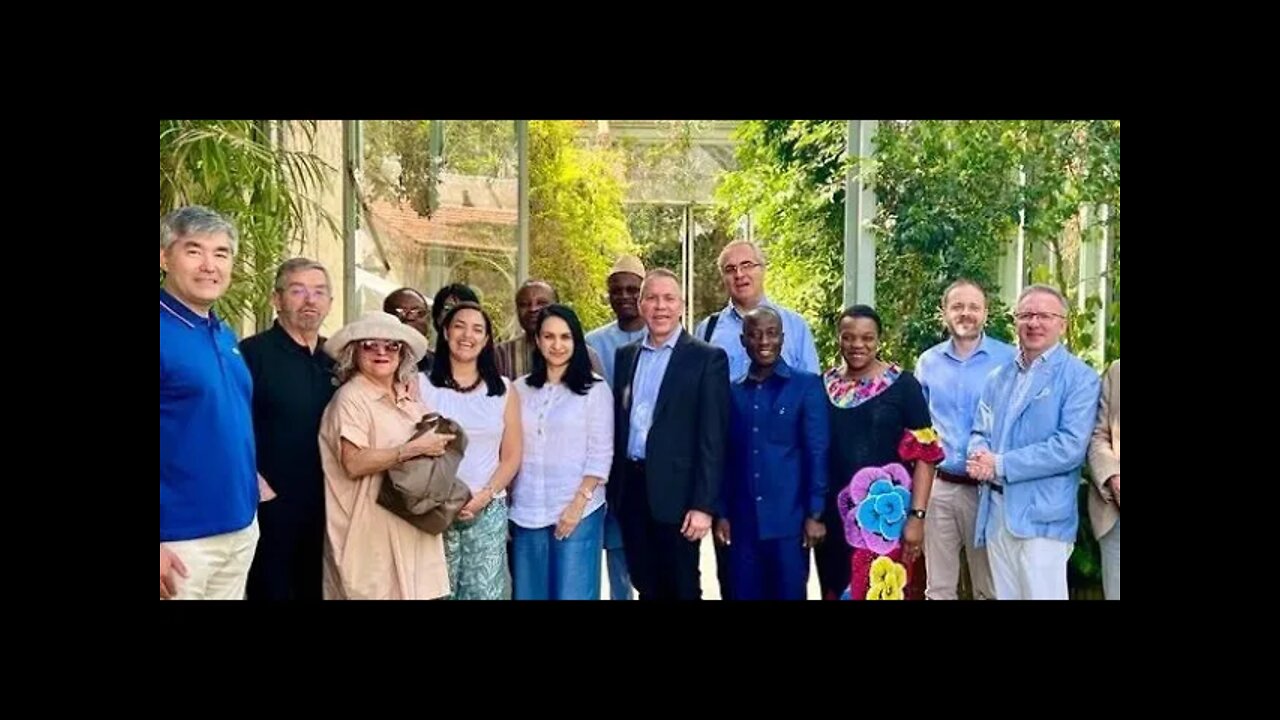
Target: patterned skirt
476, 551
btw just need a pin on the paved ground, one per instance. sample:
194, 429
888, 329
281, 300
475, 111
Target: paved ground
710, 587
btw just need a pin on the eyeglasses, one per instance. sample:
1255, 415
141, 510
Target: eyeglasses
1044, 317
298, 292
409, 313
745, 266
373, 346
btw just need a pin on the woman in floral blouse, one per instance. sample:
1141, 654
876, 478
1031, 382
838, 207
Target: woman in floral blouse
883, 452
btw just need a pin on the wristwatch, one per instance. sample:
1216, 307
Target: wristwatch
916, 513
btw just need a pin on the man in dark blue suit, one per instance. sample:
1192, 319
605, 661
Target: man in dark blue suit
776, 477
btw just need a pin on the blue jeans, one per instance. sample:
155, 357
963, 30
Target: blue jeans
619, 578
550, 569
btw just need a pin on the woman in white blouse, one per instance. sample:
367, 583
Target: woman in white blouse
464, 385
557, 503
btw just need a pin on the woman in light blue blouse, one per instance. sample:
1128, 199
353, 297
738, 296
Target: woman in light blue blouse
557, 502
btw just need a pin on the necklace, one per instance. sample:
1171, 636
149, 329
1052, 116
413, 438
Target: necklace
453, 384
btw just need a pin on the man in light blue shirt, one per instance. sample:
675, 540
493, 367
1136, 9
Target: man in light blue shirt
952, 374
671, 421
624, 297
741, 265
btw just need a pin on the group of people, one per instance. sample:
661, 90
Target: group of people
620, 449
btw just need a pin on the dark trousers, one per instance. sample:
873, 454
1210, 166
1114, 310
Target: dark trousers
774, 569
834, 557
289, 561
724, 570
663, 564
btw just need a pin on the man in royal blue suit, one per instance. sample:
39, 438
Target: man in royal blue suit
776, 477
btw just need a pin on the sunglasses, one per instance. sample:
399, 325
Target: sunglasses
373, 346
410, 313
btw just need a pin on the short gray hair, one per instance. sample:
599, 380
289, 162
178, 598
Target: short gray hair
195, 220
664, 273
296, 265
755, 248
1048, 290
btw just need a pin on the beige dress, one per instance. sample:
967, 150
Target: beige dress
371, 554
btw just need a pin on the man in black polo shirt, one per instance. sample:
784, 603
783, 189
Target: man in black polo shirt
292, 384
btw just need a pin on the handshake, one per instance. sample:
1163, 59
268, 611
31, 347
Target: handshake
981, 466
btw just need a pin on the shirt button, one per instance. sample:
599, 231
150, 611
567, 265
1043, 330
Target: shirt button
756, 451
755, 429
757, 474
760, 499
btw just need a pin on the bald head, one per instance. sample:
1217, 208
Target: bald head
762, 337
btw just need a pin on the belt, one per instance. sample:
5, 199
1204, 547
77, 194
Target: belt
958, 479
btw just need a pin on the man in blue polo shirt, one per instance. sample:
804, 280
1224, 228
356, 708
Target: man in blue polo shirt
208, 476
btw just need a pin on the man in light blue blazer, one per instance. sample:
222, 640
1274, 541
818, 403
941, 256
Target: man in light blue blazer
1028, 444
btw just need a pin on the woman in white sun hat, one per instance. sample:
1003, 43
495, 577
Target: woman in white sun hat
370, 553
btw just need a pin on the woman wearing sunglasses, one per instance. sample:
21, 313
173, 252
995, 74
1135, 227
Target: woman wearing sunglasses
370, 553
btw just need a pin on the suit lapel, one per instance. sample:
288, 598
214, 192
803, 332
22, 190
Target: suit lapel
630, 359
1040, 380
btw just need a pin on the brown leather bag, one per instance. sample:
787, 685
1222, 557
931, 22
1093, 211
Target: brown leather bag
426, 491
